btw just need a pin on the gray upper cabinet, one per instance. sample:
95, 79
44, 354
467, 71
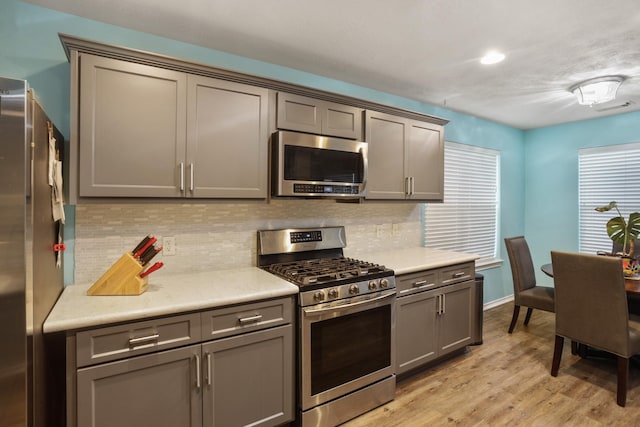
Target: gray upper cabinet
304, 114
406, 158
132, 129
227, 139
151, 132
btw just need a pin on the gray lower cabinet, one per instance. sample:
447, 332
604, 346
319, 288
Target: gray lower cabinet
156, 390
304, 114
146, 131
125, 376
251, 379
406, 158
434, 315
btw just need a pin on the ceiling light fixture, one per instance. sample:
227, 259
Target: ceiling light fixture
492, 57
597, 91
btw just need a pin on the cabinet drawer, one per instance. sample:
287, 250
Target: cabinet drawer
247, 317
116, 342
457, 273
415, 282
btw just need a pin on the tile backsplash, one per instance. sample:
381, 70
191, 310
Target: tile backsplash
214, 236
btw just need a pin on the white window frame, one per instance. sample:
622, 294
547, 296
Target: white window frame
468, 219
606, 174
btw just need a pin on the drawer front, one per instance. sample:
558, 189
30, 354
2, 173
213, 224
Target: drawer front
457, 273
247, 317
131, 339
416, 282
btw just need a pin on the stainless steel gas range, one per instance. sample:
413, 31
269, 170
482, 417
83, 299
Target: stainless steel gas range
345, 322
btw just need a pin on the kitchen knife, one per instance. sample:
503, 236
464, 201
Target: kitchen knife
149, 254
140, 251
151, 269
141, 244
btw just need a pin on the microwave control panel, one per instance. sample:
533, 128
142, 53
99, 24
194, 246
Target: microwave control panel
325, 189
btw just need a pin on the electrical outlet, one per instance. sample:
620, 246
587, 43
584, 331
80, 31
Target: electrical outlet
379, 230
168, 246
395, 229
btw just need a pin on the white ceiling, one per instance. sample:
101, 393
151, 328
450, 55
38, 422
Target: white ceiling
427, 50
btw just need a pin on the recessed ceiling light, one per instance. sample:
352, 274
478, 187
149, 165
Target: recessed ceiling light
492, 57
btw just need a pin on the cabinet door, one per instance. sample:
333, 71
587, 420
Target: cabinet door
343, 121
156, 390
132, 129
386, 136
425, 161
227, 139
299, 113
249, 379
415, 330
456, 317
304, 114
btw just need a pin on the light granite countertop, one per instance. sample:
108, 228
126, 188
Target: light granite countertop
409, 260
166, 295
174, 294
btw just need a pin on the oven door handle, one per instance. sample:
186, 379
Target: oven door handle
348, 305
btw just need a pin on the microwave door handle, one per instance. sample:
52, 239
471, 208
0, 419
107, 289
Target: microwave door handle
365, 162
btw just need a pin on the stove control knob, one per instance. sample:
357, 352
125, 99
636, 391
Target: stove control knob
333, 293
384, 283
354, 289
372, 285
319, 296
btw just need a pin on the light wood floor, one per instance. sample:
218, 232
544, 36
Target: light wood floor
506, 382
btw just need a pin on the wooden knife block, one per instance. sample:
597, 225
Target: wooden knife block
123, 278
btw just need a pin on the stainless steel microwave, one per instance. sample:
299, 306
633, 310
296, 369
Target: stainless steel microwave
309, 165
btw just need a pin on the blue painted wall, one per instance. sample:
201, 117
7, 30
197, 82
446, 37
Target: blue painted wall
551, 178
30, 49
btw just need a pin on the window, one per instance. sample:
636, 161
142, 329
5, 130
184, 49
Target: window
467, 221
606, 174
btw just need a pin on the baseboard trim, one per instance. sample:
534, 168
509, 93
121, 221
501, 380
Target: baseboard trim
498, 302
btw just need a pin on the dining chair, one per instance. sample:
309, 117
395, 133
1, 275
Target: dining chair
526, 292
591, 308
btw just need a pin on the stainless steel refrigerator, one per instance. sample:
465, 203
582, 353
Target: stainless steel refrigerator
30, 280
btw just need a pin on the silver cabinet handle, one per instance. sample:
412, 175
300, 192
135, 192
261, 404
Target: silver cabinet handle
191, 175
407, 184
413, 185
197, 357
419, 283
149, 339
252, 319
444, 303
459, 274
209, 369
181, 176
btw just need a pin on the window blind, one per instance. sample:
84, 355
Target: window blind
606, 174
467, 220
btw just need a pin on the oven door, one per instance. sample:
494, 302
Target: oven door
346, 345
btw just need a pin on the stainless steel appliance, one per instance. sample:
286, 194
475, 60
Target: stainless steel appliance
30, 282
311, 165
346, 327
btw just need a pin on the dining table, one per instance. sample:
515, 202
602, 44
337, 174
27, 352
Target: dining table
632, 285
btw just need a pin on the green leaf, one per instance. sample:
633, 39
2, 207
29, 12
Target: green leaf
616, 229
608, 207
633, 226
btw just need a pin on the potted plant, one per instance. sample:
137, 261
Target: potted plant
621, 231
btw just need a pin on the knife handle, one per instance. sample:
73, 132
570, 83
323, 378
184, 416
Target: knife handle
150, 242
141, 244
